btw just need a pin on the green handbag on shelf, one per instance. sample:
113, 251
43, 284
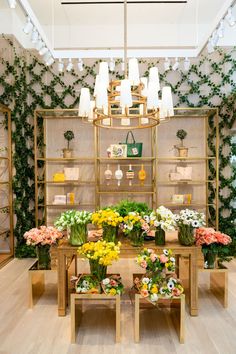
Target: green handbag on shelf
133, 149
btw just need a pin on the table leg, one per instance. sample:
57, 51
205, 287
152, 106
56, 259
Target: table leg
136, 318
118, 318
193, 283
62, 288
72, 319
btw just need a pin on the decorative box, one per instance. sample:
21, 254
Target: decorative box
59, 177
71, 173
59, 199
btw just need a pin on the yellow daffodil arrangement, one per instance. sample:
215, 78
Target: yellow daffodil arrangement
109, 220
100, 255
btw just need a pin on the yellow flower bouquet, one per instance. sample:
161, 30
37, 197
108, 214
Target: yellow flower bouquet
109, 220
100, 254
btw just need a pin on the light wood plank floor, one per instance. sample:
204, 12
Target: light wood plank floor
41, 331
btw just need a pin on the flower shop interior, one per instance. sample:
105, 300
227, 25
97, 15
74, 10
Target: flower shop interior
117, 176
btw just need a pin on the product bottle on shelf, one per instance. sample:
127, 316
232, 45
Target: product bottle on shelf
108, 174
142, 175
130, 175
118, 175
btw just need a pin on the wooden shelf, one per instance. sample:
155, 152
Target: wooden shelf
6, 206
76, 183
66, 205
2, 232
189, 159
4, 182
126, 191
185, 182
115, 159
62, 159
168, 204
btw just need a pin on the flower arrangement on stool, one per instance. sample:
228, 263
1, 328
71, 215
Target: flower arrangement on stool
43, 237
159, 281
212, 242
100, 255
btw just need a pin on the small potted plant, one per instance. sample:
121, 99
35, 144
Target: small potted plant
182, 150
68, 135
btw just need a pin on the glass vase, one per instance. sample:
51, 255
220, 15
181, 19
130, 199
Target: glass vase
78, 234
136, 238
97, 270
209, 259
43, 255
110, 233
160, 239
186, 235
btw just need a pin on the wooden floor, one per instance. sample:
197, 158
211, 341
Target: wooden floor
41, 331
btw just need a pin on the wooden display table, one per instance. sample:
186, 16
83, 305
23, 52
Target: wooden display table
218, 283
180, 299
37, 282
75, 297
65, 252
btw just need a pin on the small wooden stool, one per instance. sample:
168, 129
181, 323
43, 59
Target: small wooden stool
181, 300
75, 297
37, 282
218, 283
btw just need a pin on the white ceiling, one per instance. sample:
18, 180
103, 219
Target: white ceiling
153, 29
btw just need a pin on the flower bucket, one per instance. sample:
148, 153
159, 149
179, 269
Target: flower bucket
136, 238
209, 259
110, 233
186, 235
97, 270
43, 255
78, 234
160, 237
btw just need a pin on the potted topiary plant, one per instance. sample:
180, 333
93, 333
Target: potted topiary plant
182, 150
68, 135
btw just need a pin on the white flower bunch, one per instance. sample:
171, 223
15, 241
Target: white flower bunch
73, 217
163, 218
190, 218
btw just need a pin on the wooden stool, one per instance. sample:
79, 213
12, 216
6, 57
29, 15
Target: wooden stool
180, 299
37, 282
218, 283
75, 297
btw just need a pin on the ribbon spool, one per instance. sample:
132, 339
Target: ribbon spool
108, 174
118, 175
142, 175
130, 175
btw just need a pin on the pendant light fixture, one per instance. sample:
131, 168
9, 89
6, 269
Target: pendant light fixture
132, 102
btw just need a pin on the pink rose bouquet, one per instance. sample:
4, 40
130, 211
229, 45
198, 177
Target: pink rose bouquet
44, 235
152, 262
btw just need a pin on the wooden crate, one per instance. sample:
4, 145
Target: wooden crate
37, 282
76, 297
180, 299
218, 283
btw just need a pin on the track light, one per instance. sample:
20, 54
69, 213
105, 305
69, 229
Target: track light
69, 65
46, 56
50, 61
186, 64
214, 38
12, 4
122, 65
176, 64
230, 17
210, 47
60, 66
167, 64
112, 65
28, 26
80, 65
221, 29
34, 36
39, 44
43, 50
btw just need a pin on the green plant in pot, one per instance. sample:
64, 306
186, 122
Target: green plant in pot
68, 135
182, 150
75, 222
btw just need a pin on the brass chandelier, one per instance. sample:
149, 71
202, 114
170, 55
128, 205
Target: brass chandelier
131, 103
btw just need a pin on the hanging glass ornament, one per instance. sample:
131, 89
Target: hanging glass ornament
130, 175
118, 175
142, 175
108, 174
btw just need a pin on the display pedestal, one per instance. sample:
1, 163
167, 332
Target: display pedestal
37, 282
218, 283
176, 300
76, 297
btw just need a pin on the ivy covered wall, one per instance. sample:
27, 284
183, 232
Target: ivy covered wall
26, 84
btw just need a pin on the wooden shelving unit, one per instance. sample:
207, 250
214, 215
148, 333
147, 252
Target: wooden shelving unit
50, 126
6, 202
